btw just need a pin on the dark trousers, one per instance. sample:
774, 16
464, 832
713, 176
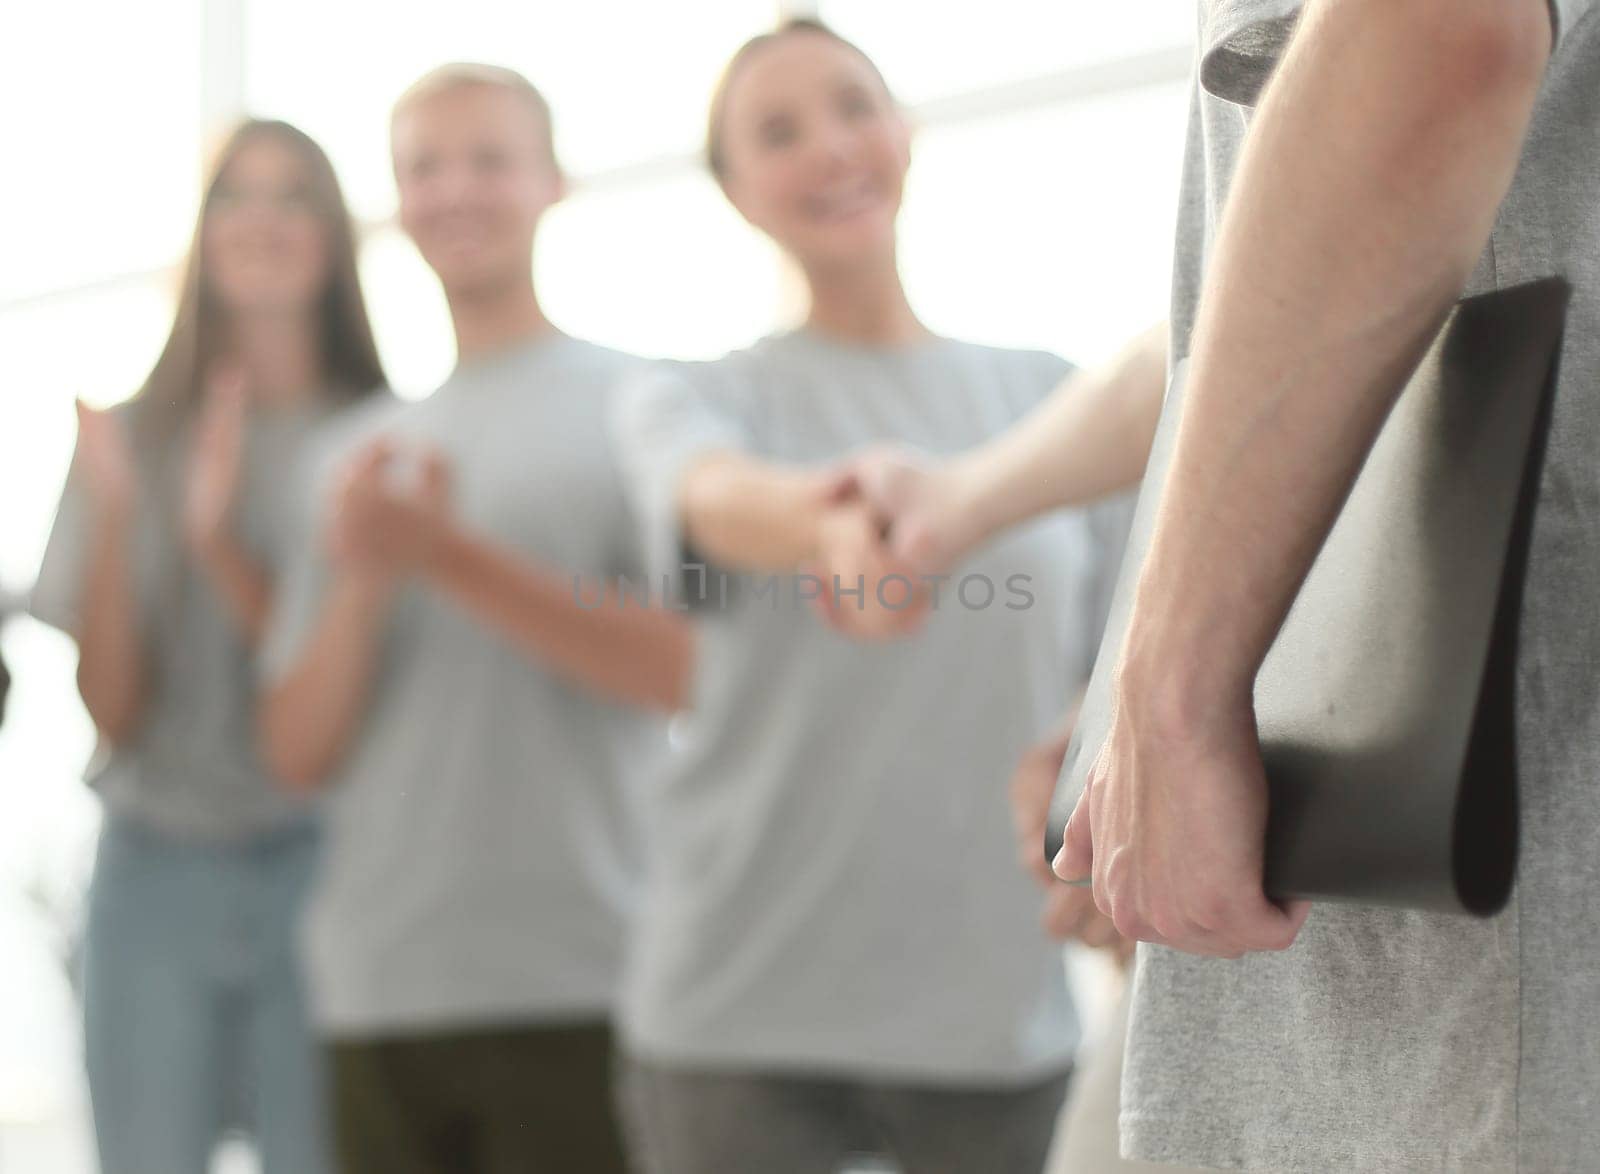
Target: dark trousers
515, 1100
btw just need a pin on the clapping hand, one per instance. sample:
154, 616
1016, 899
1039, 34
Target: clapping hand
383, 523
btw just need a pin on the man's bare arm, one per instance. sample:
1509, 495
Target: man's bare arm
617, 648
1365, 193
1090, 438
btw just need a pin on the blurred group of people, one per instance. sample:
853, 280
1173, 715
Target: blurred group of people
402, 856
398, 854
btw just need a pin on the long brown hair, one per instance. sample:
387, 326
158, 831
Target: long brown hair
350, 364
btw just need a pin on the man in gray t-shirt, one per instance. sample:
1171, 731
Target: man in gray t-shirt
1352, 169
480, 732
482, 856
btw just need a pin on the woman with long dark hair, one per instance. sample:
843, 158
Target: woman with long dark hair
161, 566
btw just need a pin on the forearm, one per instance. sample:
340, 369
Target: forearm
1089, 439
748, 514
1365, 193
110, 649
243, 587
621, 650
310, 716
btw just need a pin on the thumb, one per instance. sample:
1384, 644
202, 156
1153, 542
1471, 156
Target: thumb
1075, 861
375, 457
436, 476
824, 604
839, 484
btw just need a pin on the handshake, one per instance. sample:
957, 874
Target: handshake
888, 518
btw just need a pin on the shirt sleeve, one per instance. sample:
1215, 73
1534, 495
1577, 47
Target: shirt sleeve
1051, 371
1242, 40
1110, 522
1565, 15
57, 594
301, 572
662, 421
1240, 43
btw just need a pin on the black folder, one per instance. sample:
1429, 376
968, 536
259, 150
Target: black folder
1385, 704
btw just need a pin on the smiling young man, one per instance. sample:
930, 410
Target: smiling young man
479, 732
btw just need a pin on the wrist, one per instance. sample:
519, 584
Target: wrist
820, 510
1179, 669
112, 516
968, 512
439, 546
365, 588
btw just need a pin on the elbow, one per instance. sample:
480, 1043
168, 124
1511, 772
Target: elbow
117, 723
298, 774
1500, 49
1485, 54
114, 711
289, 758
667, 686
673, 686
679, 691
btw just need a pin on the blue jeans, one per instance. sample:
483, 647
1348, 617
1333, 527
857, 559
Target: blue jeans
194, 1015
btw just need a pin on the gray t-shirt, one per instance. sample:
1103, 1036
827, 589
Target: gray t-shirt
191, 769
481, 857
804, 912
1388, 1040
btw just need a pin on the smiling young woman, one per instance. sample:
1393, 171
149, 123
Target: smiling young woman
810, 979
162, 565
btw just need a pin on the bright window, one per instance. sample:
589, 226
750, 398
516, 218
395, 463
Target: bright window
102, 142
1048, 227
626, 79
934, 48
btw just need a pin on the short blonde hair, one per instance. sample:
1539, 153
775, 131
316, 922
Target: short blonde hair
457, 75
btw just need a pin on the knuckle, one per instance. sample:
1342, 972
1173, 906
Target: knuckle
1211, 910
1164, 924
1280, 938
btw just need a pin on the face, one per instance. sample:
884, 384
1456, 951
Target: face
815, 151
264, 243
475, 174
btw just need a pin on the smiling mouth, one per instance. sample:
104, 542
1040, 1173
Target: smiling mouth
842, 201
